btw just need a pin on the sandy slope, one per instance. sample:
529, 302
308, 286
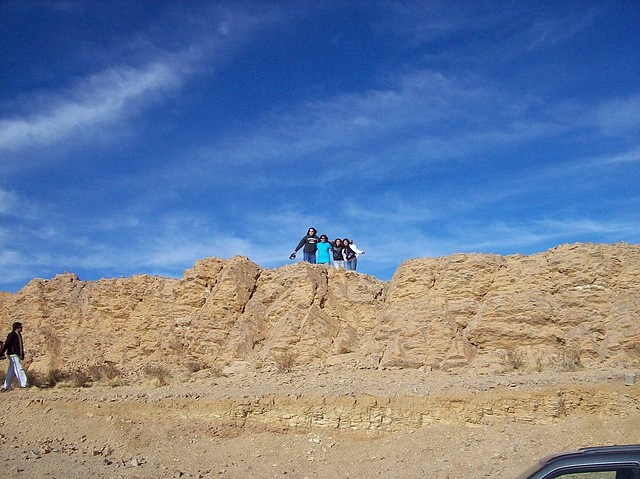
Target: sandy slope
326, 422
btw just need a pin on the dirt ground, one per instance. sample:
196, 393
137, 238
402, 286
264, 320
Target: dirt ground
331, 422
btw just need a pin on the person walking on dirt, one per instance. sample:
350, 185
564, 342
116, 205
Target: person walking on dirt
14, 349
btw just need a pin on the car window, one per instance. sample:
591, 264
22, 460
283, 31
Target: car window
610, 474
589, 475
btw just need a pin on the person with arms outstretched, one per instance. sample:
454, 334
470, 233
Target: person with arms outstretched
310, 245
350, 252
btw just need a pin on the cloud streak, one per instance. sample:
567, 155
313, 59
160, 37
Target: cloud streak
103, 99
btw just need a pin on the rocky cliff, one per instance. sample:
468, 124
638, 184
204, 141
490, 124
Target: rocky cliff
572, 306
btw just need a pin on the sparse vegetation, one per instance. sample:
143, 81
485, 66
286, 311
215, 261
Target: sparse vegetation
569, 358
217, 371
513, 360
195, 366
538, 362
77, 378
158, 374
285, 362
105, 371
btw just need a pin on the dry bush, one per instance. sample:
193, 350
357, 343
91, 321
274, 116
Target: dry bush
513, 360
158, 374
76, 378
195, 366
80, 378
538, 362
285, 362
569, 358
57, 378
217, 371
106, 371
37, 379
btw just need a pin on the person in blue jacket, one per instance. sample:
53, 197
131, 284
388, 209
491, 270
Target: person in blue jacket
324, 251
310, 244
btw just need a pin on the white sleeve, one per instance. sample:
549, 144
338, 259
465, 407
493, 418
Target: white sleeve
355, 249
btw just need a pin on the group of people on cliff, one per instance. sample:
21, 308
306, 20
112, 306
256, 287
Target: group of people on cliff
342, 252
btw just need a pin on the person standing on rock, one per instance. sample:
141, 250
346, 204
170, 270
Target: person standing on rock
350, 253
324, 251
310, 243
14, 349
336, 249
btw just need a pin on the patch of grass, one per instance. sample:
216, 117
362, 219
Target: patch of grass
159, 375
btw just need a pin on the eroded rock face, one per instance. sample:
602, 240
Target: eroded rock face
573, 304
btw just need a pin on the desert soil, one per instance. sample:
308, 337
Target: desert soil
331, 422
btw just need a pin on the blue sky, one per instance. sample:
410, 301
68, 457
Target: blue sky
140, 136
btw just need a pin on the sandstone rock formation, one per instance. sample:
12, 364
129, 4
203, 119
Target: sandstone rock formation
574, 305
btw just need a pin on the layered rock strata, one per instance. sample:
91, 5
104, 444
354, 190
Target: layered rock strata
572, 306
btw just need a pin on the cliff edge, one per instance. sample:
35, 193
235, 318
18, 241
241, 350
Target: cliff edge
573, 306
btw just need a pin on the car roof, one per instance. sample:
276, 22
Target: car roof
588, 456
598, 452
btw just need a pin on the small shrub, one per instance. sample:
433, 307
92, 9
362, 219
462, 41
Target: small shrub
569, 358
285, 362
106, 371
80, 378
217, 371
36, 379
158, 374
195, 366
538, 363
513, 360
56, 376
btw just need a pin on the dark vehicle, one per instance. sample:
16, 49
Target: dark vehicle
605, 462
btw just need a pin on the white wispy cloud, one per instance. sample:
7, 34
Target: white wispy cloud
630, 156
103, 99
545, 32
8, 202
425, 115
619, 116
521, 28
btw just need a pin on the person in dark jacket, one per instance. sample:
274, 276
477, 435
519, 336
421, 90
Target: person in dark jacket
338, 259
310, 243
13, 347
350, 252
